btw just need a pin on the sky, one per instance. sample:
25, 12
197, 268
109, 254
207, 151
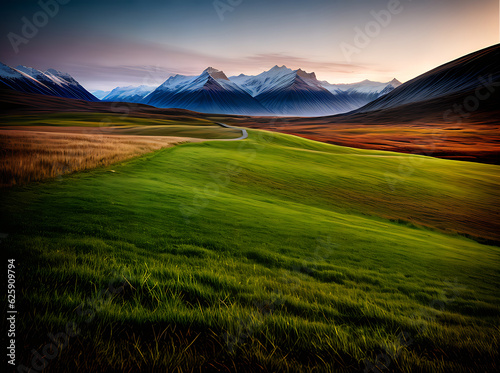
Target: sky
105, 44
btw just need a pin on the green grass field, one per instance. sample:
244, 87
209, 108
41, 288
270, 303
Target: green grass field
118, 124
270, 254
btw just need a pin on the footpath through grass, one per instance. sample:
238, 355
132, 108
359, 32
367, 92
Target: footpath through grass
271, 254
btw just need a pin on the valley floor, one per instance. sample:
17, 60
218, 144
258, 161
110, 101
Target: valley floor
274, 253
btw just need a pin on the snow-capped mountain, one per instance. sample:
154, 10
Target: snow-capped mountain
254, 85
278, 91
210, 92
129, 93
14, 79
50, 82
359, 94
100, 94
285, 91
366, 86
60, 83
477, 73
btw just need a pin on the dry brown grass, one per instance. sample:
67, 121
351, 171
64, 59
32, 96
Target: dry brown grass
35, 155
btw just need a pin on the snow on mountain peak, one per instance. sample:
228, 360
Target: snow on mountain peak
50, 75
8, 72
129, 93
278, 77
216, 74
133, 88
183, 83
175, 81
60, 77
100, 94
51, 82
58, 73
30, 71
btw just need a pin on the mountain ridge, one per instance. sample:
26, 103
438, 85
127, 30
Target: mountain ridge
209, 92
462, 74
51, 82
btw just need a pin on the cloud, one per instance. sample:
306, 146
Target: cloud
107, 77
295, 62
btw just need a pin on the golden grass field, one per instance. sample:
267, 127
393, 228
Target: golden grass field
31, 155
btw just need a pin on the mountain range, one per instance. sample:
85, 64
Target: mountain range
292, 92
466, 86
450, 111
278, 91
125, 94
210, 92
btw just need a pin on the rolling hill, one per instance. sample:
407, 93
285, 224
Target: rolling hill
277, 252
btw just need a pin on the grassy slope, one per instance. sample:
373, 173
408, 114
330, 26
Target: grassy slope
118, 124
275, 252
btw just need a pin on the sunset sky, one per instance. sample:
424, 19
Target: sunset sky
104, 44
